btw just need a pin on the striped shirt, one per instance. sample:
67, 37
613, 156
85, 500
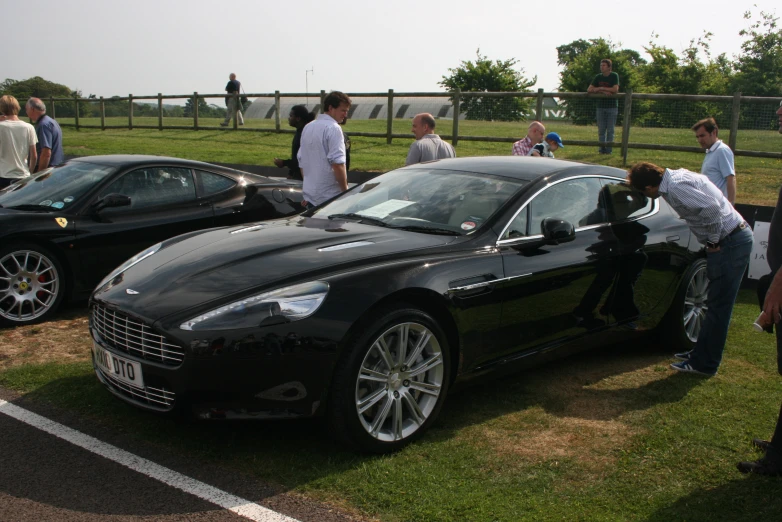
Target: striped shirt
322, 145
700, 203
522, 147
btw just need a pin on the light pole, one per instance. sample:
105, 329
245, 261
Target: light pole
307, 84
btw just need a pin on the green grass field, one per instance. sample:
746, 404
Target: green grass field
607, 435
758, 178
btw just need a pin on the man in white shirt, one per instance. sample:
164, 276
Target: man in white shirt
322, 154
427, 145
17, 143
718, 163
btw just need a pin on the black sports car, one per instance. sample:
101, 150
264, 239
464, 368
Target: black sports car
367, 308
62, 231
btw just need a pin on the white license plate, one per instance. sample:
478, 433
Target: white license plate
120, 368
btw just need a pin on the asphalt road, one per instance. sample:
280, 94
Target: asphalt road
43, 477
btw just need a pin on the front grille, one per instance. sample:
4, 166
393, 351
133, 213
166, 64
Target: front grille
122, 333
158, 398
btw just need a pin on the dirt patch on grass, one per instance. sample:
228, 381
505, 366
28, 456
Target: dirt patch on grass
64, 339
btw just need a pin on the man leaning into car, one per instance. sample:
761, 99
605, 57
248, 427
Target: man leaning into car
322, 154
728, 239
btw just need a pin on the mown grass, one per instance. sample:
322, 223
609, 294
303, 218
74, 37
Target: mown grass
758, 178
611, 434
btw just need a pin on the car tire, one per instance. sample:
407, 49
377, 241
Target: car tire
32, 284
379, 401
683, 322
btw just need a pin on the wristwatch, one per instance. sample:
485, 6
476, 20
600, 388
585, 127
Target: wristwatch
710, 244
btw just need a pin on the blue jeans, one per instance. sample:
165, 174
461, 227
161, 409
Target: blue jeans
725, 270
606, 121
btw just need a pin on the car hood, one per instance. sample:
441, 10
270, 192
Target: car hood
211, 266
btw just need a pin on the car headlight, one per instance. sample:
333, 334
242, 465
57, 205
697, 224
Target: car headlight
286, 304
129, 263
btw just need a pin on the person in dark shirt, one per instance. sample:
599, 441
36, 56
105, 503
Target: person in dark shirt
231, 102
49, 146
298, 118
771, 463
607, 82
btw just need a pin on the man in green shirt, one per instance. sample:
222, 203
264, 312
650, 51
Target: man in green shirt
607, 82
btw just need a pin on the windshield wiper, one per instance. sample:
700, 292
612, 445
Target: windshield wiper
32, 207
428, 230
360, 218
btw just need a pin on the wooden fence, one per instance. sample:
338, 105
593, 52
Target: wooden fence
737, 101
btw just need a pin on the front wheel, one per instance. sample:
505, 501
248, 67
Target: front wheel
683, 322
391, 382
31, 284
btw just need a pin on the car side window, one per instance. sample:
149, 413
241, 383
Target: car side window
154, 187
623, 202
517, 227
214, 183
577, 201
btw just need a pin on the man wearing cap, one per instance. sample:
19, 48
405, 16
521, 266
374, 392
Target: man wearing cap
728, 239
427, 146
547, 148
771, 463
535, 134
718, 163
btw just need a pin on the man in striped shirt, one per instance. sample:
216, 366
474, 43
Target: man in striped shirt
728, 239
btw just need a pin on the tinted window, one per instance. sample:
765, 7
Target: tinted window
518, 227
214, 183
625, 203
154, 187
577, 201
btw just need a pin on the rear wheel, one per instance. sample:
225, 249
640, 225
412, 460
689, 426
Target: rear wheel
684, 320
391, 382
31, 284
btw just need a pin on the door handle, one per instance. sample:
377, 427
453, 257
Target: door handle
672, 238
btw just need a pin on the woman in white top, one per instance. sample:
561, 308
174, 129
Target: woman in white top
17, 143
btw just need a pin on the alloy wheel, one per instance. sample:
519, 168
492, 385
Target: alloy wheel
29, 285
399, 382
696, 303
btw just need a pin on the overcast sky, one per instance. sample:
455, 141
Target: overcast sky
175, 46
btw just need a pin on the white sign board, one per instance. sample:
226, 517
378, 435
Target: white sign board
758, 265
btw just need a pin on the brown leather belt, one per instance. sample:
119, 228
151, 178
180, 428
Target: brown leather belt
739, 228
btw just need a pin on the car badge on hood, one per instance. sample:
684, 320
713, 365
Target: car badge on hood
130, 291
62, 222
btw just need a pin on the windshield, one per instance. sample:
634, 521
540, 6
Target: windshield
424, 200
56, 189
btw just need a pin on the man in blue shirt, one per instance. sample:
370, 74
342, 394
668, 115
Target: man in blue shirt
718, 163
49, 134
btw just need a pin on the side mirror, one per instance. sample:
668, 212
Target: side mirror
556, 231
111, 200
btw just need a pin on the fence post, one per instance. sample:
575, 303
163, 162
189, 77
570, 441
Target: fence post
160, 111
734, 120
102, 114
539, 106
456, 102
51, 108
390, 116
277, 111
130, 112
626, 124
76, 102
195, 110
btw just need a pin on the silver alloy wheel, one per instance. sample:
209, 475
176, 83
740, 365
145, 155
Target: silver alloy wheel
399, 382
696, 303
29, 285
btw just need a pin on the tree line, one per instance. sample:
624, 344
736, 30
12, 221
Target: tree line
755, 71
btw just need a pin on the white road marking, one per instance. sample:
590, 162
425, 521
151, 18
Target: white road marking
176, 480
